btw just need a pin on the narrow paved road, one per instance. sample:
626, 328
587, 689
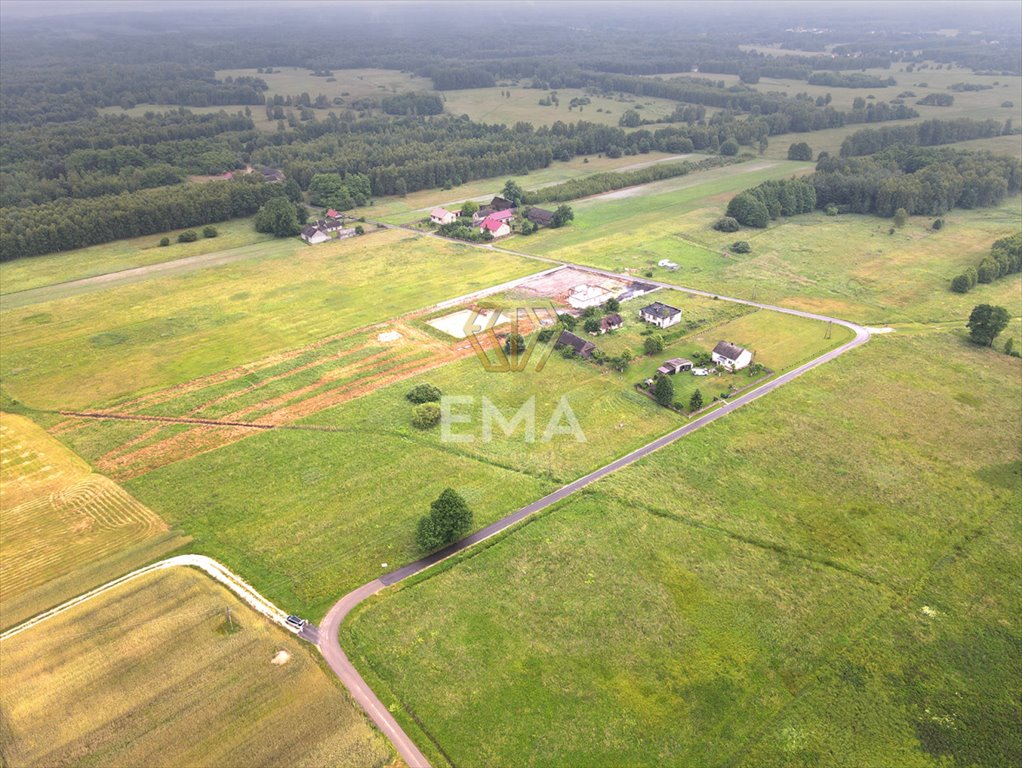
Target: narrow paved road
329, 642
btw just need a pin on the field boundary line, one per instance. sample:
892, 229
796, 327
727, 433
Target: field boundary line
217, 571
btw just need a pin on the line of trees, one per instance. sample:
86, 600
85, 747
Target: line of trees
1005, 259
850, 80
605, 182
69, 224
927, 133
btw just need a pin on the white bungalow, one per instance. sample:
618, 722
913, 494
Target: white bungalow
440, 216
731, 356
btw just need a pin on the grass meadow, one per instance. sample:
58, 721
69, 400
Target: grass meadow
153, 673
55, 268
763, 592
98, 347
64, 529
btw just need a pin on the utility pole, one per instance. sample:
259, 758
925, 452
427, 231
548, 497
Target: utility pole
230, 621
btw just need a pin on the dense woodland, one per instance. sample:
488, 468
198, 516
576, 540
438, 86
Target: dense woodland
62, 161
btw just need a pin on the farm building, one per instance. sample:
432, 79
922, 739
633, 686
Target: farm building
271, 175
661, 315
313, 235
324, 230
731, 356
675, 365
582, 347
540, 216
501, 204
610, 322
442, 216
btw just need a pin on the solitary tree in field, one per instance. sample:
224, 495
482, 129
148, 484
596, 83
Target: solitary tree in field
612, 305
986, 322
448, 520
514, 344
663, 391
900, 217
563, 215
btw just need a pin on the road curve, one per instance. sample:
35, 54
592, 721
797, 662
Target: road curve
208, 565
329, 640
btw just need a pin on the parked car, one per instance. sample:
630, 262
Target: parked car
295, 623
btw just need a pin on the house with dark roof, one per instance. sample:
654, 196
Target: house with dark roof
501, 204
674, 365
271, 175
661, 315
480, 216
540, 216
610, 322
581, 347
313, 235
731, 356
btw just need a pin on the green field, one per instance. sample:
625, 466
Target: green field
490, 105
54, 268
64, 529
151, 673
749, 595
101, 346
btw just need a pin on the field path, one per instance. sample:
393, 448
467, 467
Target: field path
208, 565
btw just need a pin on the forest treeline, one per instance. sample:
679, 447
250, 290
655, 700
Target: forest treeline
69, 224
927, 133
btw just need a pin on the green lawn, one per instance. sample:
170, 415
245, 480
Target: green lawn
753, 592
97, 347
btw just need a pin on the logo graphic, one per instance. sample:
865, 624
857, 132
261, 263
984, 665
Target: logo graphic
510, 349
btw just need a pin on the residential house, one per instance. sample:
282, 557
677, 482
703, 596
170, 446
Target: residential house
495, 227
441, 216
731, 356
661, 315
581, 347
480, 216
329, 225
610, 323
501, 204
674, 365
540, 217
313, 235
332, 214
586, 295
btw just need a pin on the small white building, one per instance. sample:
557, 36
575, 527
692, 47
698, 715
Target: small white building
661, 315
731, 356
441, 216
313, 235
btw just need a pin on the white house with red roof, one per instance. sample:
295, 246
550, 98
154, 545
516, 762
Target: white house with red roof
440, 216
332, 214
495, 227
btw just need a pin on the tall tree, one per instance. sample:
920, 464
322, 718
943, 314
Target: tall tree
663, 391
986, 322
448, 520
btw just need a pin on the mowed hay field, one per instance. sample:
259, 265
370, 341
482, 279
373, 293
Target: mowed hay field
150, 673
63, 529
828, 577
109, 344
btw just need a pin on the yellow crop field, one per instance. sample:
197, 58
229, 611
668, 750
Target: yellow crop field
184, 687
